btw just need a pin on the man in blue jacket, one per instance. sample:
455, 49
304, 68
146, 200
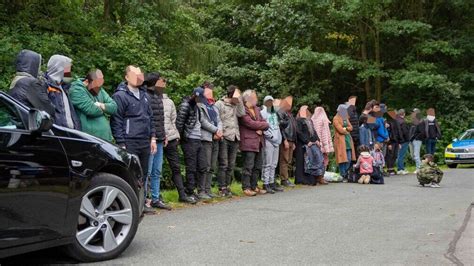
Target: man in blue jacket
132, 125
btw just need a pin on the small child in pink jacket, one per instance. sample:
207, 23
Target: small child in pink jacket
365, 163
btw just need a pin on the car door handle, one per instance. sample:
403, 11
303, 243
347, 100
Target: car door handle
75, 163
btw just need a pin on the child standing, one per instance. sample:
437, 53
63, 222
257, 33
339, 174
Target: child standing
365, 163
429, 172
378, 157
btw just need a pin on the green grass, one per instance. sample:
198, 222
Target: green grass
171, 196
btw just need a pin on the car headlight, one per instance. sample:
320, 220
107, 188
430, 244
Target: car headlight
449, 150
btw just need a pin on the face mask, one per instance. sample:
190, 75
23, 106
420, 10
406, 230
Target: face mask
67, 80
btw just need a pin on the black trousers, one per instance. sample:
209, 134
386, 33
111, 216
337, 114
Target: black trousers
191, 150
142, 150
227, 156
252, 169
392, 155
172, 156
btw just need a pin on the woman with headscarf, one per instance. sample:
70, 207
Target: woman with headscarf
309, 159
343, 145
321, 125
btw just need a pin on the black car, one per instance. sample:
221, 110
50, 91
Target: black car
62, 187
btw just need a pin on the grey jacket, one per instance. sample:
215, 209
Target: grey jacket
208, 129
170, 119
273, 133
229, 115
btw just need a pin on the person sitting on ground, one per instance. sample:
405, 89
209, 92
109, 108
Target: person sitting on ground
429, 172
365, 164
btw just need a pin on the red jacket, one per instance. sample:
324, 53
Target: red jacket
248, 126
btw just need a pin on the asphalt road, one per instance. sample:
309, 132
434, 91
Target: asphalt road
395, 223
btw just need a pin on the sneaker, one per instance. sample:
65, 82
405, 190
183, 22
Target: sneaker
259, 191
187, 199
160, 205
435, 185
268, 189
415, 172
212, 195
422, 185
149, 210
287, 183
203, 196
249, 193
276, 187
223, 193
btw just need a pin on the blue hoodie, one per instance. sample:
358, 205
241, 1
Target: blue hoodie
382, 133
133, 119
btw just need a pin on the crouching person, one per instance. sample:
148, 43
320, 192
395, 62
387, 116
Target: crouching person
429, 174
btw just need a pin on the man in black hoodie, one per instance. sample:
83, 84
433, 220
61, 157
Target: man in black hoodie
26, 87
132, 125
354, 120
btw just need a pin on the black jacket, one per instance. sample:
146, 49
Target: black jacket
133, 119
394, 131
288, 126
354, 120
26, 87
187, 116
156, 102
404, 134
422, 131
304, 133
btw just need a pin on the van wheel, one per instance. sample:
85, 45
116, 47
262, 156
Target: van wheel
452, 165
107, 220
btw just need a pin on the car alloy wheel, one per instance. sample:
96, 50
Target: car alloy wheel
105, 219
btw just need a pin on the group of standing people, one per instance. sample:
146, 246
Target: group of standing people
141, 118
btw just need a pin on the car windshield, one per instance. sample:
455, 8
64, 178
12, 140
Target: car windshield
467, 135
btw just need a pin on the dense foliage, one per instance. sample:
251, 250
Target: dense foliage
405, 53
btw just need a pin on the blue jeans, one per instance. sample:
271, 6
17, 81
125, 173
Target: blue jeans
431, 146
416, 152
155, 166
344, 167
401, 156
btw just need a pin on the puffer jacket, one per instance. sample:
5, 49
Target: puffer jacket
229, 114
249, 124
208, 129
26, 87
156, 103
354, 120
288, 126
133, 119
188, 115
170, 118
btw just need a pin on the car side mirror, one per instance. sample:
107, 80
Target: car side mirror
39, 121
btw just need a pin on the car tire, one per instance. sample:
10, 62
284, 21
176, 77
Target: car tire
105, 228
452, 165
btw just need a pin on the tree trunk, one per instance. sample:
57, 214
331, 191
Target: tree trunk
107, 9
378, 78
363, 50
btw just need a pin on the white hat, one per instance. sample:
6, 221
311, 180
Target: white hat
268, 98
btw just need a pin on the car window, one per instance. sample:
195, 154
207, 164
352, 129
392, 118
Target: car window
10, 116
468, 135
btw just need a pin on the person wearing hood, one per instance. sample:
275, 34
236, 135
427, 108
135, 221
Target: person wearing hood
353, 119
404, 139
393, 143
251, 128
65, 114
93, 105
432, 131
309, 158
230, 108
26, 87
188, 123
321, 124
343, 145
271, 149
154, 87
132, 124
211, 135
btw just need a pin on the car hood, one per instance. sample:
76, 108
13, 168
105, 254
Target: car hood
468, 143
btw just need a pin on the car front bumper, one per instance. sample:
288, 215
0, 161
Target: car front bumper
459, 158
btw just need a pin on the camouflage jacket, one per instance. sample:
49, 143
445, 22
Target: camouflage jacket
429, 170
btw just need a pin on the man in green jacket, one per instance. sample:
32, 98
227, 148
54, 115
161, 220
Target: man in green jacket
93, 105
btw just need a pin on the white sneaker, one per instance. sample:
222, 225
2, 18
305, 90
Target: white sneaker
402, 172
415, 172
434, 185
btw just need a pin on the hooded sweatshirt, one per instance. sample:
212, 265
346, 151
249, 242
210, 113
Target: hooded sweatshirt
65, 113
26, 87
273, 133
365, 163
